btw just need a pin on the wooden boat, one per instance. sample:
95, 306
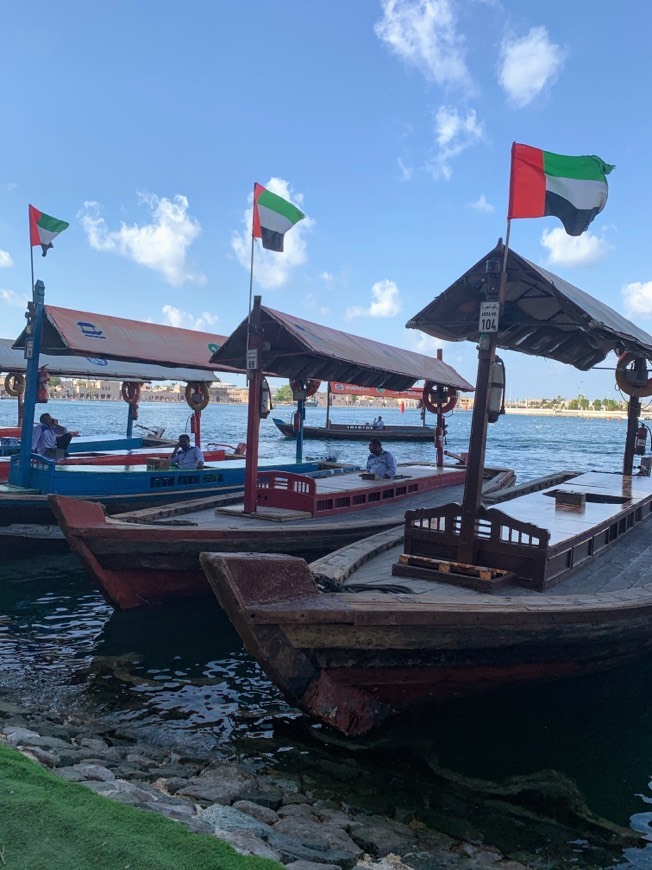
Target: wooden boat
549, 583
363, 431
136, 565
146, 557
359, 432
132, 456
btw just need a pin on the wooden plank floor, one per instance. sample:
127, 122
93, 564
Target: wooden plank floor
625, 566
563, 521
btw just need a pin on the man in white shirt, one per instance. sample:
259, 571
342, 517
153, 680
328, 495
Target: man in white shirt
380, 462
48, 437
187, 457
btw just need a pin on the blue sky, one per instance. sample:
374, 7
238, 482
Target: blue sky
388, 122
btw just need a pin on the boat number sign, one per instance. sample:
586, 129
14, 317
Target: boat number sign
489, 313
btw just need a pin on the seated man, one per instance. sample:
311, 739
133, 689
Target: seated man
187, 457
380, 462
48, 437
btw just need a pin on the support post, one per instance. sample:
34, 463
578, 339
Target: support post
633, 414
32, 353
487, 344
254, 377
301, 409
197, 428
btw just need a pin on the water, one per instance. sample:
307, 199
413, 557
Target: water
179, 674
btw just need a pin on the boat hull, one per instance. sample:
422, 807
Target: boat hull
137, 565
352, 661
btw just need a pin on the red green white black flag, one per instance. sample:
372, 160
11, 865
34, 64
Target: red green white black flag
574, 189
273, 217
43, 229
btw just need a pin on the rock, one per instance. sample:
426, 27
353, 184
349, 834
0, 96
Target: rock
291, 811
311, 865
47, 759
220, 785
293, 850
247, 843
95, 772
319, 838
262, 813
69, 774
97, 744
381, 837
223, 819
271, 799
179, 812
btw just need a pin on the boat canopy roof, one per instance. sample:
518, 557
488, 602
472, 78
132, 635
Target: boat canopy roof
298, 349
542, 315
96, 367
100, 336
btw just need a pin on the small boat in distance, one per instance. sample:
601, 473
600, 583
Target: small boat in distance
363, 431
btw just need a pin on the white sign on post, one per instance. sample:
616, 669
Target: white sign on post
252, 359
489, 312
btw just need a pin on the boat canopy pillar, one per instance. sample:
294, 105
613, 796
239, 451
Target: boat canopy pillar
633, 414
33, 332
255, 380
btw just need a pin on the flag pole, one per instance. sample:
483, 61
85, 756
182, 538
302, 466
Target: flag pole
254, 379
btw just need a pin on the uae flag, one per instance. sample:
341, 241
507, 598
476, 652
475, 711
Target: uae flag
43, 228
273, 217
574, 189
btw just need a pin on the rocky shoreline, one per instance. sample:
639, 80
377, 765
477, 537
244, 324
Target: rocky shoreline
261, 810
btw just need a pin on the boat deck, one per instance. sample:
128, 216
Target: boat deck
216, 514
622, 573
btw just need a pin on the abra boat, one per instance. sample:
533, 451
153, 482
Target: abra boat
135, 564
551, 582
424, 396
147, 557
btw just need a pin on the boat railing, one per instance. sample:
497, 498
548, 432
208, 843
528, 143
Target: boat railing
284, 489
500, 541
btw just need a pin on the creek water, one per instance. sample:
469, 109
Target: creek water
179, 673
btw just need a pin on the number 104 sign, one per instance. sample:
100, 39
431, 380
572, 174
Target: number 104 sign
489, 312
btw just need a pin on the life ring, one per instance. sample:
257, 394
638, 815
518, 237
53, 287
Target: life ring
621, 377
15, 384
130, 392
304, 388
197, 396
437, 399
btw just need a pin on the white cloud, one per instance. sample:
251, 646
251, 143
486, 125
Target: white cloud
161, 245
386, 302
420, 342
529, 65
9, 297
313, 303
406, 172
481, 204
327, 277
454, 134
637, 298
423, 34
6, 259
176, 317
565, 250
272, 269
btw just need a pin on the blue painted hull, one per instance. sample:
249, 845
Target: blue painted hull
121, 487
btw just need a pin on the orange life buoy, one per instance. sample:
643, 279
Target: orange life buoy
197, 395
304, 389
438, 399
130, 392
621, 377
15, 384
